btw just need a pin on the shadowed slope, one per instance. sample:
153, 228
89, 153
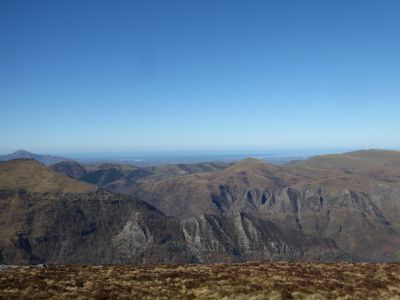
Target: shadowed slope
70, 168
46, 217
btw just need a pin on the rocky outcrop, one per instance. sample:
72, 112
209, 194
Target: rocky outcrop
351, 199
91, 228
242, 237
103, 228
326, 208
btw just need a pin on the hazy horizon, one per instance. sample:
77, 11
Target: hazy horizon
154, 158
231, 151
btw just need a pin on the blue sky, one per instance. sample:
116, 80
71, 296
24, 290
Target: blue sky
199, 75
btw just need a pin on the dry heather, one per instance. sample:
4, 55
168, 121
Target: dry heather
261, 280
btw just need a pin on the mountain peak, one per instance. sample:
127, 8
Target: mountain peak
21, 153
250, 161
252, 164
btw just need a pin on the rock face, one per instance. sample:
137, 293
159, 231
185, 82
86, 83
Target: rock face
46, 217
352, 200
90, 228
243, 237
334, 207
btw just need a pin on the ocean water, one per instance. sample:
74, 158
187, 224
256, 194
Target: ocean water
151, 158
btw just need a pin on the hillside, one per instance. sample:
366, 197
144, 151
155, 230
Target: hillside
70, 168
22, 154
120, 177
383, 157
331, 207
351, 199
47, 217
31, 175
89, 228
373, 163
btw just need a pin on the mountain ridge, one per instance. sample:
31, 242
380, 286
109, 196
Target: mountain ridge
350, 199
42, 224
45, 159
330, 207
33, 176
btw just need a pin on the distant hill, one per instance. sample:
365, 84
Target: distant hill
45, 159
70, 168
383, 157
33, 176
118, 177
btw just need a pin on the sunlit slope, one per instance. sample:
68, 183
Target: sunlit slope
31, 175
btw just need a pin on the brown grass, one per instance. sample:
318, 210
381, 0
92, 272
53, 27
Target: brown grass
33, 176
257, 280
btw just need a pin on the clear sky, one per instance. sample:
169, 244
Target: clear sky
153, 75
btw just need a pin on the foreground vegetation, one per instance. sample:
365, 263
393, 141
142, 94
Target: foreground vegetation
273, 280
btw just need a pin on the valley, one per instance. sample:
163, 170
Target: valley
326, 208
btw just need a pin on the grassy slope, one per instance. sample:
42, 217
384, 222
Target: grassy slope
34, 177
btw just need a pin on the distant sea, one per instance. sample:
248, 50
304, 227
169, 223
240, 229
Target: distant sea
152, 158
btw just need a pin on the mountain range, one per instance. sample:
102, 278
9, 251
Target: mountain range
329, 207
45, 159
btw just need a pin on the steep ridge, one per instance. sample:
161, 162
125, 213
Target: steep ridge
90, 228
351, 199
215, 192
46, 217
51, 218
241, 237
210, 206
325, 208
